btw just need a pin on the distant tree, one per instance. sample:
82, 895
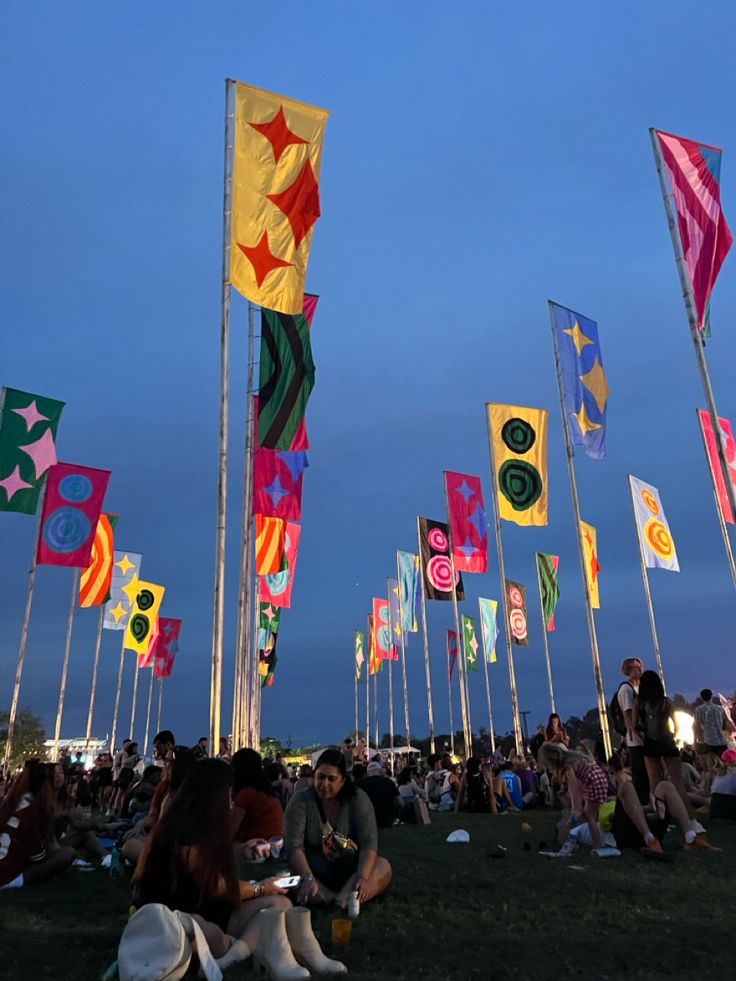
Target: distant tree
361, 734
28, 736
272, 746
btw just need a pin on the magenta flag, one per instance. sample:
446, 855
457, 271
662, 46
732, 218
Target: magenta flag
167, 646
276, 587
468, 523
277, 482
71, 509
452, 650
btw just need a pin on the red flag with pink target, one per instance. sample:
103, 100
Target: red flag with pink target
516, 611
711, 449
167, 646
468, 522
385, 649
434, 548
71, 509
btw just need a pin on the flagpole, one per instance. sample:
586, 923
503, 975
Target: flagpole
118, 689
402, 634
23, 636
518, 734
220, 539
696, 335
95, 667
449, 693
368, 691
148, 715
254, 677
600, 692
462, 679
65, 667
647, 590
546, 641
425, 643
719, 510
488, 703
390, 681
375, 710
160, 703
135, 696
355, 673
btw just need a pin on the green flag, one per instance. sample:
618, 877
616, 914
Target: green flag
359, 655
28, 425
470, 642
286, 377
269, 617
547, 566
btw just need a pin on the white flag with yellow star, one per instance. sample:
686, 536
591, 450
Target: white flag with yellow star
126, 567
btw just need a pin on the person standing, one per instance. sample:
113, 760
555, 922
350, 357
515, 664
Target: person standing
632, 668
710, 728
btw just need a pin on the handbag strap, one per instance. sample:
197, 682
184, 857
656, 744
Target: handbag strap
210, 969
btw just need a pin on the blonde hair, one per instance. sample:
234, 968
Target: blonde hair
628, 663
556, 756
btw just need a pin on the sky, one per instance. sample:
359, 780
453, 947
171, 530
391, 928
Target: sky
478, 160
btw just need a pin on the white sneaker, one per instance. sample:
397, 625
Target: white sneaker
698, 828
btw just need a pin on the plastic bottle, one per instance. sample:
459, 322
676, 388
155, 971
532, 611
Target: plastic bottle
353, 906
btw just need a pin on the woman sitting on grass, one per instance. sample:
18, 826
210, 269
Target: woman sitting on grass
474, 793
71, 828
591, 779
28, 851
332, 839
256, 811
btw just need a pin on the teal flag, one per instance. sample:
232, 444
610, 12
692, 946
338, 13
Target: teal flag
410, 585
489, 628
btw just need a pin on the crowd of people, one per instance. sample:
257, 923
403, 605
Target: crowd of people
187, 824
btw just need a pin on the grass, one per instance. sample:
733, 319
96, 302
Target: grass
452, 913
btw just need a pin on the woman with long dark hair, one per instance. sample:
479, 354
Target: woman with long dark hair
256, 811
654, 715
555, 731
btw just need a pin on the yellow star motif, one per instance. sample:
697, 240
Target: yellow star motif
125, 565
586, 424
578, 337
132, 589
118, 612
597, 384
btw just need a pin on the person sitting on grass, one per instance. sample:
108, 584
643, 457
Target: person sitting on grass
591, 779
555, 732
438, 784
383, 794
723, 796
128, 762
70, 827
512, 783
256, 811
332, 838
305, 779
27, 852
474, 791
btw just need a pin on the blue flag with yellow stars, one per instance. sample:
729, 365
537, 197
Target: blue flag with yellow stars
584, 383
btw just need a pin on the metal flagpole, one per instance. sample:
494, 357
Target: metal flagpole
375, 710
355, 675
368, 692
546, 640
518, 734
491, 733
220, 539
647, 591
402, 634
254, 677
148, 715
425, 642
23, 637
65, 668
95, 667
390, 680
600, 693
449, 691
697, 338
160, 703
135, 696
719, 509
118, 689
462, 664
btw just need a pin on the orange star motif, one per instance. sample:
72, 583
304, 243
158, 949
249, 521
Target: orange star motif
278, 134
300, 203
261, 258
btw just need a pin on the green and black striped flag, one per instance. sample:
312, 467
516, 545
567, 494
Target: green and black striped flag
547, 566
286, 377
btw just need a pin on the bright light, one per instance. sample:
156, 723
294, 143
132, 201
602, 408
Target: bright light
684, 728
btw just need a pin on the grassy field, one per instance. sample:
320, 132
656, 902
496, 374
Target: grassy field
453, 912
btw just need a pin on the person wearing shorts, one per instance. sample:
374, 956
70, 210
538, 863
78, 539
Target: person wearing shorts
591, 780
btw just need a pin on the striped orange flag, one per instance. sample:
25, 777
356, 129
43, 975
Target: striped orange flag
270, 544
94, 586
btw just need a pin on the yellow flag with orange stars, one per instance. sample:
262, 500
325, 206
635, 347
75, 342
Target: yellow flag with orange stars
276, 169
592, 567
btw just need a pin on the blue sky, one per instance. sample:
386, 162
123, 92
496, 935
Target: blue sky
478, 160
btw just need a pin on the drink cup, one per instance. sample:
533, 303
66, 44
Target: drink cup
341, 932
276, 844
262, 850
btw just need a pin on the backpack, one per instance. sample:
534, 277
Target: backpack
654, 717
616, 713
436, 784
156, 946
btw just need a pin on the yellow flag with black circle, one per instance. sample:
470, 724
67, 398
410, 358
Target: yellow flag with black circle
518, 438
146, 599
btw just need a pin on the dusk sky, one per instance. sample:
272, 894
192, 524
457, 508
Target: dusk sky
478, 160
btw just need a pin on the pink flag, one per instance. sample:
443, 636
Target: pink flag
71, 509
277, 482
468, 524
385, 650
145, 660
452, 650
167, 646
715, 462
276, 587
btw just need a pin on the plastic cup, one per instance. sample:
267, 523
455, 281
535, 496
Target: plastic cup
277, 845
262, 851
341, 932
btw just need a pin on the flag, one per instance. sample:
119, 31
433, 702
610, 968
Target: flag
385, 649
692, 172
270, 544
269, 616
489, 628
547, 566
434, 546
146, 659
516, 606
71, 509
300, 440
468, 523
167, 646
145, 599
266, 657
655, 538
277, 482
452, 650
276, 587
394, 609
519, 441
410, 586
359, 655
375, 663
126, 566
276, 168
28, 425
592, 566
711, 450
584, 383
470, 643
286, 377
94, 585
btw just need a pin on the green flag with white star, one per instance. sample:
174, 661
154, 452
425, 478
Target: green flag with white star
470, 642
269, 617
28, 425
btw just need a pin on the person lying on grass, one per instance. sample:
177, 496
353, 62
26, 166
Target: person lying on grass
332, 839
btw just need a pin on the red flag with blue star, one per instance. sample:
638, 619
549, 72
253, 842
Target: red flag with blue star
468, 523
277, 483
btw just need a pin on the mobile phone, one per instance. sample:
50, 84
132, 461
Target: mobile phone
288, 881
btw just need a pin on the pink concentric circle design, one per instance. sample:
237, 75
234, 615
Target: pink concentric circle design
516, 597
438, 540
517, 621
439, 573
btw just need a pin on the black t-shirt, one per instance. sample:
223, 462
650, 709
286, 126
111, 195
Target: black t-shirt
382, 793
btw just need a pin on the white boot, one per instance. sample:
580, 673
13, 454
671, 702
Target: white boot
305, 946
272, 951
237, 951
